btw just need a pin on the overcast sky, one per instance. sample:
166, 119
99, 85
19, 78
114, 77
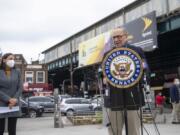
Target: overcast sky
29, 27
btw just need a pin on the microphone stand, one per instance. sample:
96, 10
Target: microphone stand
125, 112
140, 108
140, 98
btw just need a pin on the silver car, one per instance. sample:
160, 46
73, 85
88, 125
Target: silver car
72, 106
97, 104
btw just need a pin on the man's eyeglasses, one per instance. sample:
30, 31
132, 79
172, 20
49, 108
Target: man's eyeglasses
118, 36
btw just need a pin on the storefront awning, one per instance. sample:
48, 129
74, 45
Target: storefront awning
157, 88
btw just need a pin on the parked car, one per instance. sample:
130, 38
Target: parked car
72, 106
31, 110
97, 103
46, 102
51, 96
61, 97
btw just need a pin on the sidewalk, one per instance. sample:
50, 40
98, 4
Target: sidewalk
44, 126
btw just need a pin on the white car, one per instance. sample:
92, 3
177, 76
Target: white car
61, 97
97, 104
72, 106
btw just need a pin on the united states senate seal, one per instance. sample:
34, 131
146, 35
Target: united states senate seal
122, 67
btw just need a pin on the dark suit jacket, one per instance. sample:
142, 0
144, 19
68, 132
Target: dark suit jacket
117, 97
174, 94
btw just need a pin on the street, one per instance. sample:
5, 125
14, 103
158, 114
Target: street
45, 125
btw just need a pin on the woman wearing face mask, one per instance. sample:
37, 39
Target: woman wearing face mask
10, 91
175, 99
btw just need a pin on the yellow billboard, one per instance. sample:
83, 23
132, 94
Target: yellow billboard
141, 32
92, 50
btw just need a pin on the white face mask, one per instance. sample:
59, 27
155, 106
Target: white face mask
177, 82
10, 63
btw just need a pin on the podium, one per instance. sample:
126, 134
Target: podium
123, 70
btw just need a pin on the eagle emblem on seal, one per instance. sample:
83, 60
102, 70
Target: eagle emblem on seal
122, 70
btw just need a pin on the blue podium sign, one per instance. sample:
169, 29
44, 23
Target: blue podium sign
122, 67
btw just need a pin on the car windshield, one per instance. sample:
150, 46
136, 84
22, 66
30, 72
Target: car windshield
41, 99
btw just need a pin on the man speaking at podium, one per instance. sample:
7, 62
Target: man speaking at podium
134, 95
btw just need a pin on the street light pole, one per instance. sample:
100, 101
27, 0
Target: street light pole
52, 79
63, 85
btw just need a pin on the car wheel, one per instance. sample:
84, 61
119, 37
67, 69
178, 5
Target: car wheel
32, 114
70, 112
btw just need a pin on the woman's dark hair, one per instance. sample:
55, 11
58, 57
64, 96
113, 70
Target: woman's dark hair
3, 65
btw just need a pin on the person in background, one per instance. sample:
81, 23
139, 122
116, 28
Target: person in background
175, 100
10, 92
160, 102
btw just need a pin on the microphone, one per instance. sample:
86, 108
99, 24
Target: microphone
100, 73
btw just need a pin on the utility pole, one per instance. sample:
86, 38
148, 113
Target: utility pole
52, 77
71, 68
57, 111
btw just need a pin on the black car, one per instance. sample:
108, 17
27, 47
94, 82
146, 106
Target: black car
31, 110
46, 102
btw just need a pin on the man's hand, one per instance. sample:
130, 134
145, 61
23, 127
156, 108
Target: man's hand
105, 81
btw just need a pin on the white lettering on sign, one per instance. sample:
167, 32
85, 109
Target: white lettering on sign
34, 66
145, 34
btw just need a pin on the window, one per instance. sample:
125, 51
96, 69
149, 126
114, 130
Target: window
84, 101
40, 77
67, 60
60, 63
17, 57
73, 101
63, 62
74, 58
45, 99
53, 65
33, 99
29, 76
50, 66
56, 63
